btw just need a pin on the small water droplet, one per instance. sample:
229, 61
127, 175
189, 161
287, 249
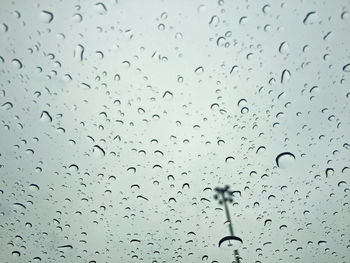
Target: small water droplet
266, 9
17, 63
329, 172
168, 95
4, 27
77, 18
98, 151
310, 18
45, 117
283, 48
34, 187
346, 67
321, 243
101, 8
214, 21
46, 17
285, 76
243, 20
244, 110
199, 70
79, 52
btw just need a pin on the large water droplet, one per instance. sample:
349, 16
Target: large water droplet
285, 159
7, 106
16, 254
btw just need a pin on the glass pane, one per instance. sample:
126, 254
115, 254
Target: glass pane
120, 118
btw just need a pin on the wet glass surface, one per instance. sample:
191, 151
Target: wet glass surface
119, 118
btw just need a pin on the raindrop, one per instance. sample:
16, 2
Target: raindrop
214, 21
241, 101
4, 27
199, 70
214, 106
231, 242
98, 151
267, 222
7, 106
244, 110
266, 9
161, 27
46, 17
168, 95
17, 63
346, 68
285, 76
77, 18
283, 48
321, 243
45, 117
19, 205
243, 20
131, 170
79, 52
329, 172
229, 159
101, 8
310, 18
285, 159
34, 187
65, 247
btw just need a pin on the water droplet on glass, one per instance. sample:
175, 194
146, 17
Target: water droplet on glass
214, 21
79, 52
17, 63
168, 95
77, 18
199, 70
310, 18
46, 17
285, 159
16, 254
100, 8
283, 48
34, 187
7, 106
98, 151
346, 68
45, 117
285, 76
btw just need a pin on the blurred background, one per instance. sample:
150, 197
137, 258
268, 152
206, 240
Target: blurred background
119, 118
